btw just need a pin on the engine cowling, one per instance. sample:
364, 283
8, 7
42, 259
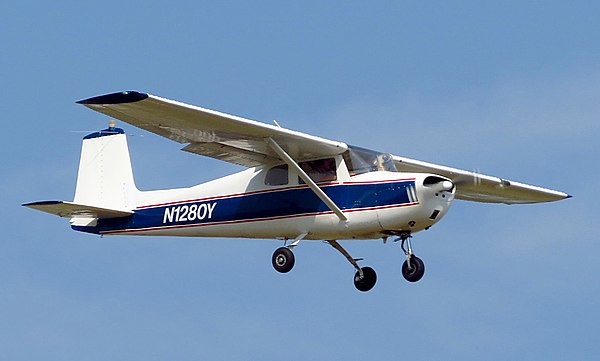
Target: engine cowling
431, 197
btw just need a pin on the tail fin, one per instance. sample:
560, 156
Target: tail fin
105, 177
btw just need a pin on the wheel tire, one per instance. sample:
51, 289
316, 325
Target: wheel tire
283, 260
417, 270
367, 282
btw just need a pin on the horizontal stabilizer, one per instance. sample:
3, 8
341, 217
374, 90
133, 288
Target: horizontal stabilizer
73, 210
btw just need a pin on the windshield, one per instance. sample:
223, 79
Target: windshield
360, 160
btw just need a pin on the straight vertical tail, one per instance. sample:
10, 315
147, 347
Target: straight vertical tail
105, 177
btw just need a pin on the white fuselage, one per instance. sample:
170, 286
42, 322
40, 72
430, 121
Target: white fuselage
242, 205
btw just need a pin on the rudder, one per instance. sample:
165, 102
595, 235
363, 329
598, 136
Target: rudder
105, 177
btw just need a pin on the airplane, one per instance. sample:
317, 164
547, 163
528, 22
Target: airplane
296, 186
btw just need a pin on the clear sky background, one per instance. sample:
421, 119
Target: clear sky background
506, 88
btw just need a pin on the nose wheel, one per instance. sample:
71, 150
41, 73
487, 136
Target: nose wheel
413, 268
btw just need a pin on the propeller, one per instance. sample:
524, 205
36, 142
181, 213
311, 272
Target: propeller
439, 184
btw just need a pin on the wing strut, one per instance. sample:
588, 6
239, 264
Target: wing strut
315, 188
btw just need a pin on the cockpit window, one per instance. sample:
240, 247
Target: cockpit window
320, 170
277, 176
360, 160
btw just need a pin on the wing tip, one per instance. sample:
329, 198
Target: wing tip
131, 96
41, 203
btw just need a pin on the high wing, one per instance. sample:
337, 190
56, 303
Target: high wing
211, 133
472, 186
250, 143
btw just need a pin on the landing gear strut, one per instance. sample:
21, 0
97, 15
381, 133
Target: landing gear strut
365, 277
413, 268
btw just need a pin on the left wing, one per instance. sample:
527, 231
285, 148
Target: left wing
211, 133
472, 186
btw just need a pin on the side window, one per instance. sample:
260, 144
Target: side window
321, 170
277, 176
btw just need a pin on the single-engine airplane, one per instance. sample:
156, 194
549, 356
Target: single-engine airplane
297, 186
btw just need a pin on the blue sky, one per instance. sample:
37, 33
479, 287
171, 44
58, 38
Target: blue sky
505, 88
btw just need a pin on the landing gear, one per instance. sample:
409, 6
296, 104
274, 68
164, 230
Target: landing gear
367, 281
364, 278
283, 260
413, 268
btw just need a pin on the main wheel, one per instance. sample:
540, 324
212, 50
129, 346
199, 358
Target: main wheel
283, 260
416, 270
367, 281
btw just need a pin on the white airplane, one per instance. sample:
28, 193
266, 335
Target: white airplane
297, 186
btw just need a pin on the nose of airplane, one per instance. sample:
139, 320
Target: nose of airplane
446, 185
438, 184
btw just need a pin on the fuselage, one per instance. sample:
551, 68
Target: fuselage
250, 204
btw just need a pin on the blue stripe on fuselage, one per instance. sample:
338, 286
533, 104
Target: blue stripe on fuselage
276, 204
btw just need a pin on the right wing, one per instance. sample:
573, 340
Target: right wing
214, 134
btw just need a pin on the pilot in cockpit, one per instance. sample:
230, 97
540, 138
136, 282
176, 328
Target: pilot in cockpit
321, 170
